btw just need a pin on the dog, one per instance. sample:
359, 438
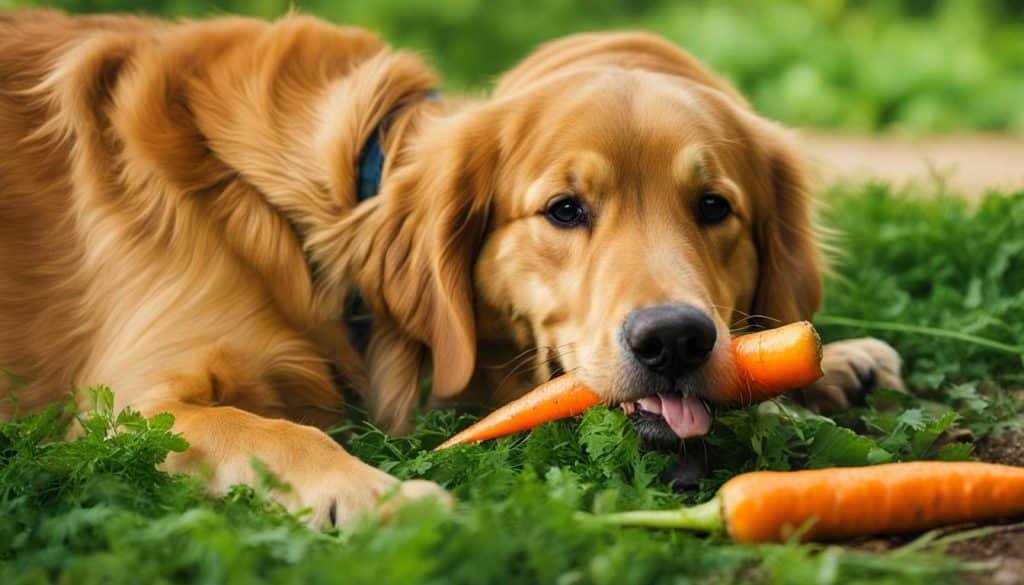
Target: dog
241, 222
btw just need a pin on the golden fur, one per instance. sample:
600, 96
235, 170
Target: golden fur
179, 222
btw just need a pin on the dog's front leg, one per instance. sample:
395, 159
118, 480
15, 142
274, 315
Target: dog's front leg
321, 475
853, 368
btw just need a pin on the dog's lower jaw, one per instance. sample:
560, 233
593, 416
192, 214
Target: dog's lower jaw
655, 434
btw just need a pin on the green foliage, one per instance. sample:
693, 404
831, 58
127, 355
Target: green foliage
941, 264
859, 65
96, 510
784, 436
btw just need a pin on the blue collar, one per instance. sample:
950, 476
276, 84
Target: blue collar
369, 173
370, 168
371, 164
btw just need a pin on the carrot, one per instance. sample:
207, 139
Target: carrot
771, 362
561, 397
844, 502
767, 364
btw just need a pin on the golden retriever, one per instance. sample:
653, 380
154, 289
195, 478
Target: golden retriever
180, 220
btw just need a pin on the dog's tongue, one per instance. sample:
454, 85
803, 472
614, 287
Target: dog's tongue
686, 415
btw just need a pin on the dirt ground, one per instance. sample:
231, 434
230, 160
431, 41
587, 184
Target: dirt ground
967, 164
1005, 548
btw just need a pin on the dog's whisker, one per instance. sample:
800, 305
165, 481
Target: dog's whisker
525, 367
523, 355
746, 316
732, 309
515, 372
745, 326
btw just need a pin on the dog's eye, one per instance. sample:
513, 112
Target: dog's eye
567, 212
712, 208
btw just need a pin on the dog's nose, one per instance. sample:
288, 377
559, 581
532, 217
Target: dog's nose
670, 339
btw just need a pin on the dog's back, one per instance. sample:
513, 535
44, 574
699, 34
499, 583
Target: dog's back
155, 183
114, 254
39, 252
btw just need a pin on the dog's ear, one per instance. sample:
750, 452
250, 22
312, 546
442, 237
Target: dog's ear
789, 257
432, 215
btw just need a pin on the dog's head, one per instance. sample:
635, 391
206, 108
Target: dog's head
614, 206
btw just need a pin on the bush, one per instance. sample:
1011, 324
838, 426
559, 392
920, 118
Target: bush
912, 65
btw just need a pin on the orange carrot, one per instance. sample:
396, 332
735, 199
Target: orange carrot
768, 363
771, 362
845, 502
561, 397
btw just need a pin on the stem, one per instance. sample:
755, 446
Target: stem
706, 517
921, 330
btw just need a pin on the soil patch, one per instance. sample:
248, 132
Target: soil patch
1005, 548
965, 164
1007, 448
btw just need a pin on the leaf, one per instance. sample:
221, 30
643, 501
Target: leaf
161, 422
266, 479
131, 420
176, 443
912, 418
835, 446
955, 452
967, 395
101, 399
886, 399
923, 439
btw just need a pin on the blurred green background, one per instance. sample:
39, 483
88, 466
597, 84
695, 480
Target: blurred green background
913, 66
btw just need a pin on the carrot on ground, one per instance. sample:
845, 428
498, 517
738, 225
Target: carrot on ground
768, 363
846, 502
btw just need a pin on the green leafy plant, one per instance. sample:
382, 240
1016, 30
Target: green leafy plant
909, 267
95, 510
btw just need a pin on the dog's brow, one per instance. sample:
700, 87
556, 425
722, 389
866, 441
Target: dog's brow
591, 172
690, 167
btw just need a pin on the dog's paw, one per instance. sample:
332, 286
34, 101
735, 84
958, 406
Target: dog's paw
345, 492
309, 472
853, 369
410, 491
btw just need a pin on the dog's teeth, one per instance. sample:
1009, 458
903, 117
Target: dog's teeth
651, 404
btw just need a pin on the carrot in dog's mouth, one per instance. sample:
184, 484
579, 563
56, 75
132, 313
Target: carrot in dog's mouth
768, 363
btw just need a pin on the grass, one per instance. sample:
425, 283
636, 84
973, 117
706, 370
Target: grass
95, 510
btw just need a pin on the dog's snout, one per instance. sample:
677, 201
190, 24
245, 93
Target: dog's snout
670, 339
